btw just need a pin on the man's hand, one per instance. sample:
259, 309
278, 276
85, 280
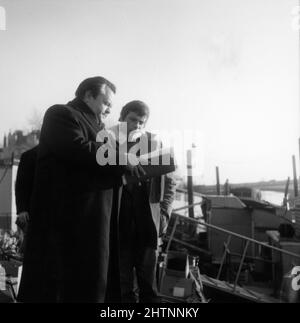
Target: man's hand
134, 167
136, 171
22, 219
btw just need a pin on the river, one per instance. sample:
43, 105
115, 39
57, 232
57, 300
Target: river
272, 197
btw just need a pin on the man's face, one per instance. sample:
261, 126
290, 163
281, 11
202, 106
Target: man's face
134, 121
102, 104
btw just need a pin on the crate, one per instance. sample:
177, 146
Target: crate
176, 286
177, 264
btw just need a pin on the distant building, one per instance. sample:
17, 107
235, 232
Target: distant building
14, 144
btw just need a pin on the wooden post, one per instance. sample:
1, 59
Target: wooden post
286, 192
190, 182
218, 181
295, 177
226, 187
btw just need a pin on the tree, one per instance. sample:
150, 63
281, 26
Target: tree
35, 120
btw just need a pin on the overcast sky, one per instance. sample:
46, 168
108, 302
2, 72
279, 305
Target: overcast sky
227, 70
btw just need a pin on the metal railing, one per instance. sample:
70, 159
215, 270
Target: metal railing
230, 234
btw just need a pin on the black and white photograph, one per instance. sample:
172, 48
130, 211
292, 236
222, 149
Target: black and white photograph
149, 154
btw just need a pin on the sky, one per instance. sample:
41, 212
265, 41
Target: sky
222, 74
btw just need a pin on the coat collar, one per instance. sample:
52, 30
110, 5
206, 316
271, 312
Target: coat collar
89, 115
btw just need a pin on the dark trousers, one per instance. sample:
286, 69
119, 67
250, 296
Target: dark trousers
138, 263
138, 242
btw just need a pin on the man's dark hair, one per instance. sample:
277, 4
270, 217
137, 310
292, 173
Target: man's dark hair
139, 107
93, 84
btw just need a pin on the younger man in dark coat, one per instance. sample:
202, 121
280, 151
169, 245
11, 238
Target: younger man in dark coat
144, 214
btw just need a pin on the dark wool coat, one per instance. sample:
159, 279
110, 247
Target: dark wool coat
24, 179
160, 194
67, 254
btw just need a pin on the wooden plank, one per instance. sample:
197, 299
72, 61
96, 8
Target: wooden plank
239, 291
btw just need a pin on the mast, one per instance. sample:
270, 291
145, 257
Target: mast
298, 28
218, 181
295, 177
190, 183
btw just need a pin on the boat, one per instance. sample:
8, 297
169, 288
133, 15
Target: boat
247, 249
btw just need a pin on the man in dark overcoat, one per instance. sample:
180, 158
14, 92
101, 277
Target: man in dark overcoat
23, 191
67, 253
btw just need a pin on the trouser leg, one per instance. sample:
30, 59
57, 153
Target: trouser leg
127, 276
145, 265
